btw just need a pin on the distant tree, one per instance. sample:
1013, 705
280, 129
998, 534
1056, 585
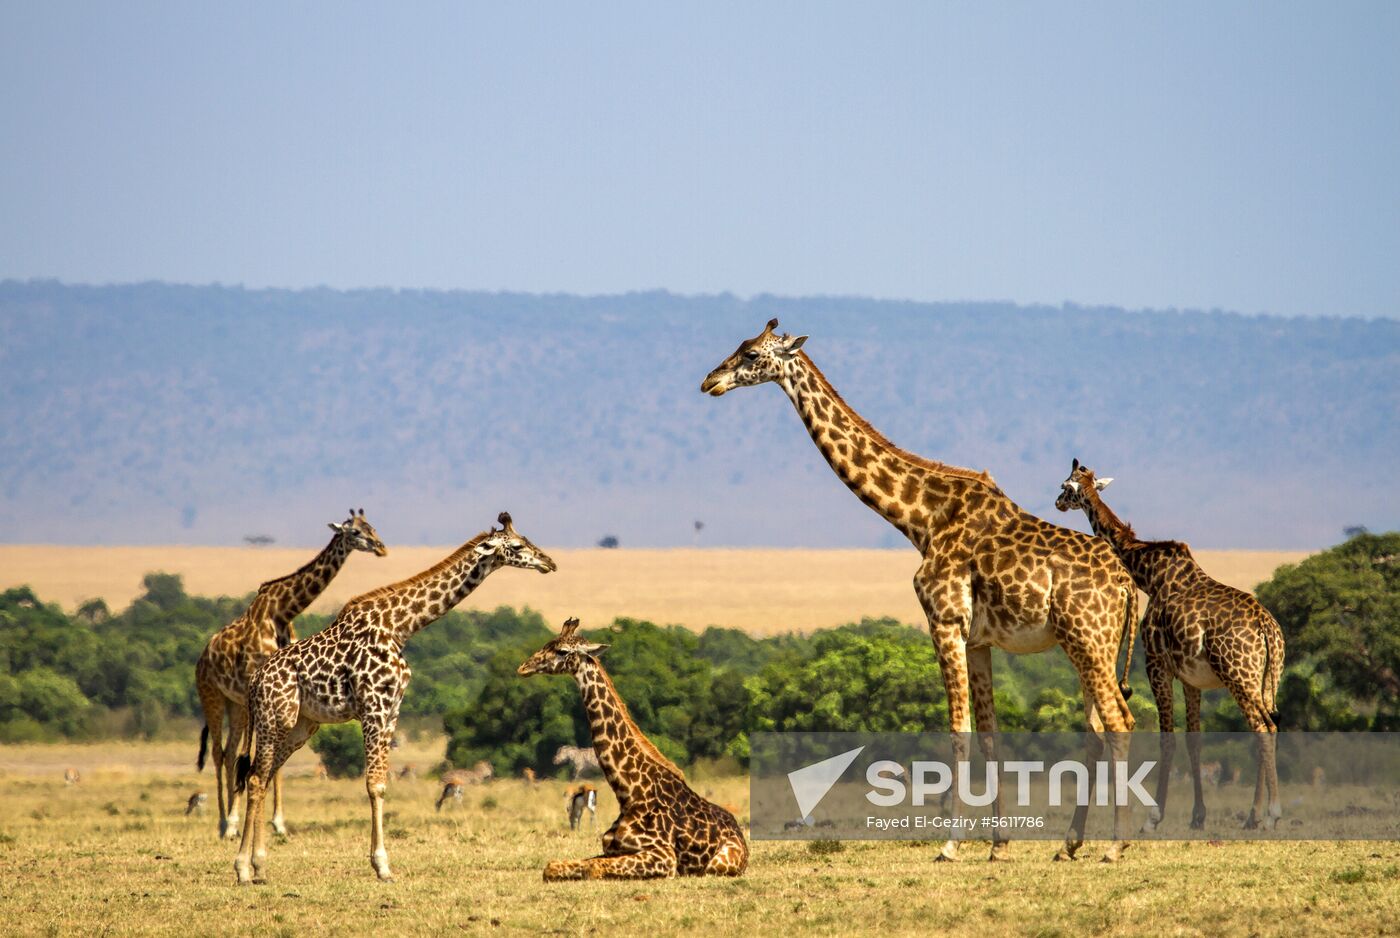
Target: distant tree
1355, 530
341, 747
1340, 607
259, 540
164, 590
609, 541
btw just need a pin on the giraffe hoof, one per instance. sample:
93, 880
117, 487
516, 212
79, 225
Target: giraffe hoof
947, 858
1065, 855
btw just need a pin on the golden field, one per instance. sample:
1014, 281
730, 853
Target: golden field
114, 854
761, 591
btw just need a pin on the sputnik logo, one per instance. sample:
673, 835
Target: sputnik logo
811, 782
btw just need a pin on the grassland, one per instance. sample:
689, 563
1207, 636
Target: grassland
114, 854
761, 591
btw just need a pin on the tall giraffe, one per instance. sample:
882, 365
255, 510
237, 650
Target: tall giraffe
993, 575
354, 670
1198, 631
664, 827
234, 652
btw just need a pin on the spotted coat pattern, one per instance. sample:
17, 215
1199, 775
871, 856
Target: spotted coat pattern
664, 828
355, 670
1200, 632
234, 652
993, 575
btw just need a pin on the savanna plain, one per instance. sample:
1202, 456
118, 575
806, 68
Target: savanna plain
116, 854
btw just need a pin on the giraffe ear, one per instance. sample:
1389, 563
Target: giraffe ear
485, 549
337, 528
794, 343
592, 648
1102, 484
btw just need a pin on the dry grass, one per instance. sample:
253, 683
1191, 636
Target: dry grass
114, 855
761, 591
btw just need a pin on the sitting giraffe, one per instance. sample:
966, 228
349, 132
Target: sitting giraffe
354, 670
664, 827
1200, 632
235, 651
581, 799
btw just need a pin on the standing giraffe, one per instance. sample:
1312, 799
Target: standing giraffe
1198, 631
992, 573
664, 827
235, 651
354, 670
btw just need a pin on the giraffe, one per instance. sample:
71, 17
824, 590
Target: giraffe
354, 670
234, 652
1200, 632
992, 575
664, 827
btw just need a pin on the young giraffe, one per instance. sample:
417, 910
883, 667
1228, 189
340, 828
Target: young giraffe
992, 574
1201, 632
235, 651
354, 670
664, 828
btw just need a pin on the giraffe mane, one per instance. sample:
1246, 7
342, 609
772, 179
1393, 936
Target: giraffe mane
648, 746
297, 572
435, 569
1125, 530
941, 468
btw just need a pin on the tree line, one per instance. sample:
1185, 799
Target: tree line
94, 674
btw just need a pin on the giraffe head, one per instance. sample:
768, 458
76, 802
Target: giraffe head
360, 534
1081, 479
509, 548
564, 654
763, 358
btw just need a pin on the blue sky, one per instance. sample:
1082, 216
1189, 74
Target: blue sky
1240, 156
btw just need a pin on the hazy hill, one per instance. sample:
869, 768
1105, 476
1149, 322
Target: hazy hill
155, 413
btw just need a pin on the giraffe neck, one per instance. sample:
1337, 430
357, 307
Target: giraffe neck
624, 753
424, 598
284, 599
914, 494
1106, 524
1157, 567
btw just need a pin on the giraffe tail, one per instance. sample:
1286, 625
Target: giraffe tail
245, 758
1130, 623
203, 747
1273, 663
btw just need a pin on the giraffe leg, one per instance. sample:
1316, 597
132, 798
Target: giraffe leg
279, 825
1093, 751
237, 726
1266, 810
979, 662
377, 738
947, 603
1159, 674
731, 859
214, 703
1193, 749
655, 860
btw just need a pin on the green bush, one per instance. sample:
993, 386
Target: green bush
341, 747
